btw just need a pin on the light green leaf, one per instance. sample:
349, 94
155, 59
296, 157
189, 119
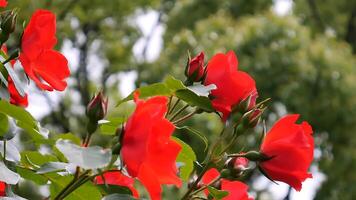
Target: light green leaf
86, 157
186, 157
7, 175
12, 153
14, 77
52, 167
202, 90
148, 91
173, 84
108, 127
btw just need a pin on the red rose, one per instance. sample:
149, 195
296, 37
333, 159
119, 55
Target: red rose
196, 67
232, 85
3, 3
147, 150
291, 147
47, 67
237, 190
117, 178
15, 97
2, 189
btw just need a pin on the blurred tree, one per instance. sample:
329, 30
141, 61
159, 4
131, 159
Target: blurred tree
337, 16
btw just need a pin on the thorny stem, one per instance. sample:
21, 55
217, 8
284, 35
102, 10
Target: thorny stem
185, 117
178, 112
64, 192
205, 186
173, 107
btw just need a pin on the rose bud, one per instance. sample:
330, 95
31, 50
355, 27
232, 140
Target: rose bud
195, 68
97, 107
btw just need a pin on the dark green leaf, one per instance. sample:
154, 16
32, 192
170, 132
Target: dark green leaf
194, 100
31, 175
4, 124
23, 118
85, 192
118, 197
111, 189
217, 194
197, 133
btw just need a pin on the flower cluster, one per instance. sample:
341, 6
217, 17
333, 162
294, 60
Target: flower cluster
146, 146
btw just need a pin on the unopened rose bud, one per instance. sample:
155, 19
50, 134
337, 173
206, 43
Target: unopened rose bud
8, 22
251, 118
248, 103
97, 107
195, 68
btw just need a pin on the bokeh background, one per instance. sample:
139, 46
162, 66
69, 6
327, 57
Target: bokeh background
301, 54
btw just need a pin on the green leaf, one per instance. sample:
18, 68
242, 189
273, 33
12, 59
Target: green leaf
202, 90
197, 133
187, 158
148, 91
4, 124
23, 118
84, 192
108, 127
173, 84
30, 158
7, 175
110, 189
118, 197
217, 194
68, 136
31, 175
52, 167
195, 100
12, 153
86, 157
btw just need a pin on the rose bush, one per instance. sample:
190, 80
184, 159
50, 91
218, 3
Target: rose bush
145, 146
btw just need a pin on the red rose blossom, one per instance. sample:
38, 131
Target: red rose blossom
291, 147
15, 97
2, 189
237, 190
117, 178
3, 3
196, 67
147, 150
232, 85
47, 67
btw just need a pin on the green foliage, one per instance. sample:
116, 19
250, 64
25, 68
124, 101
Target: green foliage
186, 158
